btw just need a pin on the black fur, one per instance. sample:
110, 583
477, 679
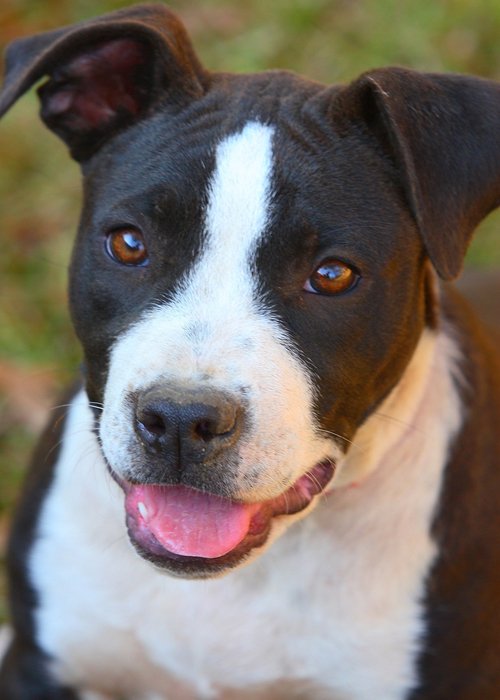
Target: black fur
24, 674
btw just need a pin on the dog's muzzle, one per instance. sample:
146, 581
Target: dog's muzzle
181, 508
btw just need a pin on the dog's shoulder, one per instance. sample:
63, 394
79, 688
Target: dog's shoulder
464, 583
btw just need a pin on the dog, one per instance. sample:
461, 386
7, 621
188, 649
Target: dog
279, 476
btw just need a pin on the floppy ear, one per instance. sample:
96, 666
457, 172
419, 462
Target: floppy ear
105, 73
443, 132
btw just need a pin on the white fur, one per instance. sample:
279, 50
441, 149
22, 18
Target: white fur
334, 601
213, 333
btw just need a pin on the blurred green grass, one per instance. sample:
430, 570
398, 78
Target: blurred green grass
328, 40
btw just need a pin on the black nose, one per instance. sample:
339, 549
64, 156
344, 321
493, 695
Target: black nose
187, 425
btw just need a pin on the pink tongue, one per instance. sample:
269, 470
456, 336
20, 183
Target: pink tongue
189, 522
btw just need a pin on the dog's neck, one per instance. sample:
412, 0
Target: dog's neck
422, 411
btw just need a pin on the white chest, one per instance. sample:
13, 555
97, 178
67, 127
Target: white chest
305, 611
333, 604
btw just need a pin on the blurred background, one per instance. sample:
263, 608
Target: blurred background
328, 40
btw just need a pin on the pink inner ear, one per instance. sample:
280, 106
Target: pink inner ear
97, 85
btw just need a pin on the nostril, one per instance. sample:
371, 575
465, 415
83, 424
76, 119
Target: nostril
214, 421
152, 423
205, 430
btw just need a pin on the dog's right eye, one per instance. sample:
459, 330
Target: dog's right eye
127, 246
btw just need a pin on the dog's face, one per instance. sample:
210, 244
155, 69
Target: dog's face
235, 352
250, 280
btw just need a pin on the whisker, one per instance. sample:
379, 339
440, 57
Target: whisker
314, 480
93, 404
322, 493
114, 542
337, 435
287, 505
393, 419
61, 405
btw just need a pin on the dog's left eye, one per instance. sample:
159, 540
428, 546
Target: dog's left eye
332, 276
127, 246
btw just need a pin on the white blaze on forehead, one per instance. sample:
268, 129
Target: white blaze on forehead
213, 332
239, 194
237, 213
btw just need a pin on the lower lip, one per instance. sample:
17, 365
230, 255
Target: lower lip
296, 499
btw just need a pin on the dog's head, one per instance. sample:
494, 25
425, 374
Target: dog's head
251, 273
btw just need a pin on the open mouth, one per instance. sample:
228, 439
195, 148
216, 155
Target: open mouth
195, 533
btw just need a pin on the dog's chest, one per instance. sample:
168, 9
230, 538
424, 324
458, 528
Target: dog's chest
296, 615
333, 604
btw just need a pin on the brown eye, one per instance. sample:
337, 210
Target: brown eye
331, 277
127, 246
